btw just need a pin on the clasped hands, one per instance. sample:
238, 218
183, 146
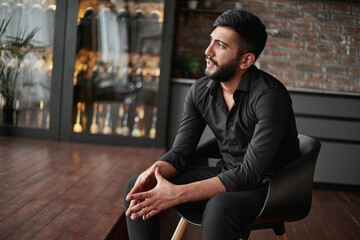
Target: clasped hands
151, 194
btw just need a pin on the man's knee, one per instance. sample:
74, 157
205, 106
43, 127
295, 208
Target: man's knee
217, 208
218, 220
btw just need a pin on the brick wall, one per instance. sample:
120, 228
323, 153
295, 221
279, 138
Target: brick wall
311, 44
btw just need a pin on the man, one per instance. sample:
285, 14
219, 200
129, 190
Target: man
251, 116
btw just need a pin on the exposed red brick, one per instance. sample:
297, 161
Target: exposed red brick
335, 69
308, 85
318, 47
356, 9
263, 12
351, 60
274, 23
316, 77
344, 80
308, 67
317, 16
270, 43
283, 4
264, 3
186, 36
343, 19
348, 50
300, 56
288, 14
333, 38
291, 76
275, 33
351, 30
354, 71
306, 36
210, 17
336, 88
261, 63
192, 47
198, 27
327, 58
310, 6
290, 45
354, 40
273, 53
288, 84
337, 8
300, 25
311, 44
278, 64
355, 89
325, 27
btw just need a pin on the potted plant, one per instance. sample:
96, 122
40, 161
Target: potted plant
189, 65
12, 53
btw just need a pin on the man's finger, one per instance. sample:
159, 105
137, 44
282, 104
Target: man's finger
138, 196
150, 214
140, 211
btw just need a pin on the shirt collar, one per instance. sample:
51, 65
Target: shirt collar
244, 84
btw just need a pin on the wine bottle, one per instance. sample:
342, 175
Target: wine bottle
40, 114
94, 127
107, 125
152, 132
77, 126
119, 127
126, 129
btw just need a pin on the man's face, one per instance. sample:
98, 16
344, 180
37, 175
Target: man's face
222, 60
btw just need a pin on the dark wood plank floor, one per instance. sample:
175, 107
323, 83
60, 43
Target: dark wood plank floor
62, 190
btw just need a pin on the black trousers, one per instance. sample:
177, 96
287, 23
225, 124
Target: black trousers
224, 216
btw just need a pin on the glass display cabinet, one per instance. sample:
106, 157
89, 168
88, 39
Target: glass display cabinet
27, 67
113, 62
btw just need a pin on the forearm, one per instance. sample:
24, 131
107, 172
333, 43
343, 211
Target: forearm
166, 169
200, 190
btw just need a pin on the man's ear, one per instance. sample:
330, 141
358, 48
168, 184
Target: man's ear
247, 60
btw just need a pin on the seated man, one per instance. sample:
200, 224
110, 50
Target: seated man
249, 112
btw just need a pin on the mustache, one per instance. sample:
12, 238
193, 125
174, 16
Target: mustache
211, 59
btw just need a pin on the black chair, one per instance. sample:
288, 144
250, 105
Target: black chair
289, 192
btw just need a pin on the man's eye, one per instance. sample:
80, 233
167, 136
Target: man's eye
220, 44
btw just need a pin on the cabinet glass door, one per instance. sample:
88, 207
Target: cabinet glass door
27, 40
116, 78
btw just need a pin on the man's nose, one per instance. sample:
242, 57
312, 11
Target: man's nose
209, 51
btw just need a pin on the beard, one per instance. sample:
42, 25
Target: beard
225, 72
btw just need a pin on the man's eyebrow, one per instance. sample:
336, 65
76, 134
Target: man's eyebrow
217, 40
223, 42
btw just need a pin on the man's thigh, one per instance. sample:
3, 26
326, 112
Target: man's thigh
195, 173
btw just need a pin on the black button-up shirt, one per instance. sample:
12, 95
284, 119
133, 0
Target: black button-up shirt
256, 137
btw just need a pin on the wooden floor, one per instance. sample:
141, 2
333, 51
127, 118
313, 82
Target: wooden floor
61, 190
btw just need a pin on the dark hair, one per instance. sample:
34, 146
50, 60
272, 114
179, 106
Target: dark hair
251, 31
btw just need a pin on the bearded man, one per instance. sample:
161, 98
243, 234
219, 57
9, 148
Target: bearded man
250, 113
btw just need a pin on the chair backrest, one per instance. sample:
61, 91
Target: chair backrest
290, 189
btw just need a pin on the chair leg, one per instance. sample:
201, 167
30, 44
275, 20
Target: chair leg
279, 229
180, 229
281, 237
245, 234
